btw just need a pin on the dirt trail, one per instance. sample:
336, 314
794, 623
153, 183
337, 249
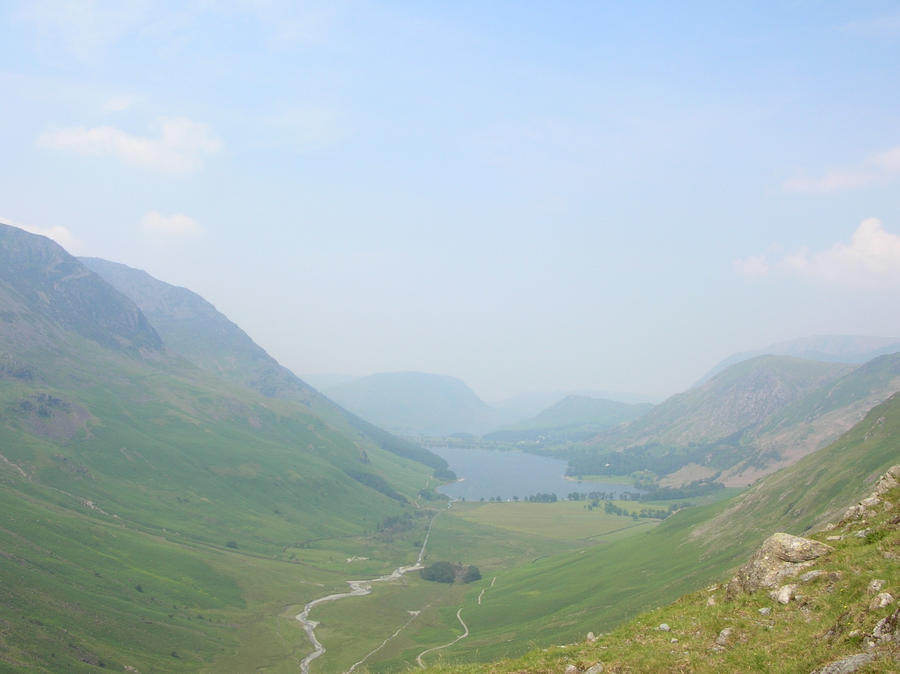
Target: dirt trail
358, 588
437, 648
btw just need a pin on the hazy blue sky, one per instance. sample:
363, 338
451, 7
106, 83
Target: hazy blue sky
526, 195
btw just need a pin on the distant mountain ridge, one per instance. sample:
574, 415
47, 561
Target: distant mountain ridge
195, 329
575, 417
416, 403
825, 348
746, 422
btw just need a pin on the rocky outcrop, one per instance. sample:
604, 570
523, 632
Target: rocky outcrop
865, 508
781, 556
846, 665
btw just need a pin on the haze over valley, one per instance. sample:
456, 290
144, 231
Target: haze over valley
458, 338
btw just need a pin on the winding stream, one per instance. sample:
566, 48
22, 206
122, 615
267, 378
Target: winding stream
358, 588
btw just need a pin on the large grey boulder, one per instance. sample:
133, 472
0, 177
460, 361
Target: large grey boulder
780, 556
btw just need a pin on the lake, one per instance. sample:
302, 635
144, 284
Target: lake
487, 474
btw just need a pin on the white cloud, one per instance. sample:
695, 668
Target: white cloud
752, 266
177, 224
877, 168
871, 258
60, 234
180, 146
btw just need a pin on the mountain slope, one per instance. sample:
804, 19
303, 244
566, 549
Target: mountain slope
748, 421
157, 515
575, 418
415, 403
827, 348
743, 395
43, 279
561, 598
195, 329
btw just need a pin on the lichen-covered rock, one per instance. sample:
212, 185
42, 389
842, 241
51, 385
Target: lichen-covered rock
888, 481
724, 635
883, 599
886, 627
846, 665
854, 512
876, 585
780, 556
784, 594
596, 668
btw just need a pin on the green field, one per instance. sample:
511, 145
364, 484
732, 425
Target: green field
495, 537
564, 520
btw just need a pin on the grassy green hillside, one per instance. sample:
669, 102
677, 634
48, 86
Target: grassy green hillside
192, 327
156, 515
835, 611
742, 395
559, 599
750, 420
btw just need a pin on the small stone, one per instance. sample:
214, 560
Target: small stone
853, 633
571, 669
883, 599
765, 610
722, 639
711, 601
596, 668
811, 575
591, 638
663, 627
784, 594
834, 538
830, 526
673, 640
876, 585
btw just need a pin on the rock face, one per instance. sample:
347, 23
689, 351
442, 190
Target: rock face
781, 556
888, 481
864, 508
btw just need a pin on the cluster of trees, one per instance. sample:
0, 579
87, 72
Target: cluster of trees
603, 496
534, 498
651, 513
377, 483
447, 572
542, 498
691, 490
